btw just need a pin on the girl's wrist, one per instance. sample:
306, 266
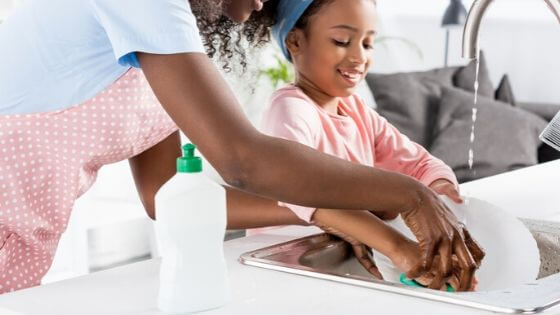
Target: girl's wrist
404, 249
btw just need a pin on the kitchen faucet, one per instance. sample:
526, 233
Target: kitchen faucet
551, 134
472, 24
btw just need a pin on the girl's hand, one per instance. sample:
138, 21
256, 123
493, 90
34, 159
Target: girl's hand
362, 252
406, 257
447, 188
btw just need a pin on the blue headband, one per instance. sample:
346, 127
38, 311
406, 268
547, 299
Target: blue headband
288, 13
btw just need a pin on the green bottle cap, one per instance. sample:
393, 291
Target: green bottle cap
189, 163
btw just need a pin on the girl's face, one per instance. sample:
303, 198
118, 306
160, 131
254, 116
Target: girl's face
240, 10
335, 52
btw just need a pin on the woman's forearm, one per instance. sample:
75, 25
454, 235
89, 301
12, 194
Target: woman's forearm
294, 173
201, 103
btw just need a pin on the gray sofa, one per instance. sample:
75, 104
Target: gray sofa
434, 108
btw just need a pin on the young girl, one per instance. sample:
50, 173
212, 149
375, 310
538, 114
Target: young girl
73, 98
330, 44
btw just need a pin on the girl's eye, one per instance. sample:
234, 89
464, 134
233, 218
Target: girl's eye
368, 46
340, 43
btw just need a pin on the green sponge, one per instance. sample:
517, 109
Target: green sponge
413, 283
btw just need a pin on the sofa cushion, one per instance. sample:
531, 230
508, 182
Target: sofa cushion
465, 76
504, 92
544, 110
506, 138
409, 101
443, 76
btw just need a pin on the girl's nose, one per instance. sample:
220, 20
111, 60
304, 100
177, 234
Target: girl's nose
359, 55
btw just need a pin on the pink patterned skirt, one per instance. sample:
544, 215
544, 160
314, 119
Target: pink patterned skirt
47, 160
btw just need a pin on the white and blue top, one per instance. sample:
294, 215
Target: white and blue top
58, 53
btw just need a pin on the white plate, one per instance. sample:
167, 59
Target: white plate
512, 255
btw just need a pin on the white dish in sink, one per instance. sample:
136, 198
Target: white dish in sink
512, 256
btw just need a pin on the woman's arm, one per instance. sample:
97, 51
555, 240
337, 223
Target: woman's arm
244, 211
201, 103
205, 109
153, 167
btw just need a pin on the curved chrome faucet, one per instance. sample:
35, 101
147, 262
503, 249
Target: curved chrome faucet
551, 134
474, 18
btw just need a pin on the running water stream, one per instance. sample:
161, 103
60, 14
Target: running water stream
472, 136
474, 112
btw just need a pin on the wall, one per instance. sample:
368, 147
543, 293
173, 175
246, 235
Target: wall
519, 37
6, 6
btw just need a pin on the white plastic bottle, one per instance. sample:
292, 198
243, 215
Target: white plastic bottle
190, 226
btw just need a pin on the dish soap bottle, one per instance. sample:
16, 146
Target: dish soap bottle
190, 226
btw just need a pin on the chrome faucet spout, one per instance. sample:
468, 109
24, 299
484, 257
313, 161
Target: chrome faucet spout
474, 18
551, 134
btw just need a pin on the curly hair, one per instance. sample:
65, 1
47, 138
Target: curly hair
228, 40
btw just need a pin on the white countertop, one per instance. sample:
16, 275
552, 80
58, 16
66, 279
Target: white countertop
132, 289
530, 192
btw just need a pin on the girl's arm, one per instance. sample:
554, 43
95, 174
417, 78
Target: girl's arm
201, 103
364, 227
394, 151
248, 211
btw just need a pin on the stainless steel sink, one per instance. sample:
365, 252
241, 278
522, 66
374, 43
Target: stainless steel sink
325, 257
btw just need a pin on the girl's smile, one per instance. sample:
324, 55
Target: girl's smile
351, 76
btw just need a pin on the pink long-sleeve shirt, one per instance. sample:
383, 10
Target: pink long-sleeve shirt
356, 134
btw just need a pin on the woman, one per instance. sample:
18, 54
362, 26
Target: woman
72, 99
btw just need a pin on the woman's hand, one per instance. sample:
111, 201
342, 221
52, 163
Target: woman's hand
408, 256
446, 188
440, 236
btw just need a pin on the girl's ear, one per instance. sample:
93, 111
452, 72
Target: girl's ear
294, 42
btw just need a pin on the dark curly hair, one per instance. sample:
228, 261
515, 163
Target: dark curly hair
226, 39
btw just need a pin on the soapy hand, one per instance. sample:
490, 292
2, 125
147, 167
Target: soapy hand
362, 252
446, 188
440, 186
440, 236
477, 253
409, 256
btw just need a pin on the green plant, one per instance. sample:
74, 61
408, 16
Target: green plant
283, 72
